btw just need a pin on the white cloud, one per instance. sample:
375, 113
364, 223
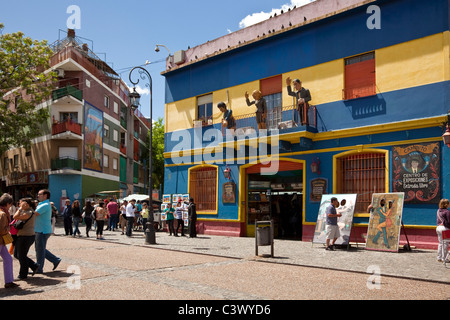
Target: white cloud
257, 17
143, 91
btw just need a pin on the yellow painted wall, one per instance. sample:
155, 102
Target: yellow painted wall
325, 82
410, 64
413, 63
180, 114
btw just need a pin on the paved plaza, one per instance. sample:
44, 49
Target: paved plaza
226, 268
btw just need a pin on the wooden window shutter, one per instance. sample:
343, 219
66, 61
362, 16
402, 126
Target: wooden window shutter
360, 76
271, 85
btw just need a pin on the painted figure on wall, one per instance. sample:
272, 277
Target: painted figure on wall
93, 138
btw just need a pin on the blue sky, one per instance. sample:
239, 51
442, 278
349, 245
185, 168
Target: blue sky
127, 31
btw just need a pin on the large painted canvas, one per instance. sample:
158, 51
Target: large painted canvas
346, 208
93, 138
416, 172
383, 233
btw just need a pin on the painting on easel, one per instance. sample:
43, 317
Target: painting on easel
346, 208
386, 210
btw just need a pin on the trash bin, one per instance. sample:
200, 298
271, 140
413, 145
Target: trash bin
263, 236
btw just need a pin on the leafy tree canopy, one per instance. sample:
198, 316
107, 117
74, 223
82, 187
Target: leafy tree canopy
25, 83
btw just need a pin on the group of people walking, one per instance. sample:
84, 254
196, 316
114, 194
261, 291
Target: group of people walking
93, 214
30, 224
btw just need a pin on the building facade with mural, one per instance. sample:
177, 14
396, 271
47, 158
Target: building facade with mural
378, 76
92, 142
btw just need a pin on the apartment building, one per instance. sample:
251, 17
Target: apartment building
92, 142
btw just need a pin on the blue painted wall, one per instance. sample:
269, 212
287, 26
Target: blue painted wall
70, 183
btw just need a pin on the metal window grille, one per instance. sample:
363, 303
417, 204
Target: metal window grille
363, 174
203, 183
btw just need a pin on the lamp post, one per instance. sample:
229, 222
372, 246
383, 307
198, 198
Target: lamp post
446, 135
134, 103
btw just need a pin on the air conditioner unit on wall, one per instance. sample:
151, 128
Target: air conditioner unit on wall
179, 57
60, 73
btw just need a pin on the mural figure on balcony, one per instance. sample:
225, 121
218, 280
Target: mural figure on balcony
261, 108
302, 97
228, 120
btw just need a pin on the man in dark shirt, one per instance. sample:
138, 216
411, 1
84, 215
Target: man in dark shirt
302, 98
67, 214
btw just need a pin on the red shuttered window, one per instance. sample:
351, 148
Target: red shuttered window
360, 76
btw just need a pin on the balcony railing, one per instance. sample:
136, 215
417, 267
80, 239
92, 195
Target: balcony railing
280, 118
67, 91
66, 163
66, 126
359, 92
123, 148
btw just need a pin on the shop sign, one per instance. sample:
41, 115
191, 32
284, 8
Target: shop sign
18, 178
416, 172
229, 192
318, 188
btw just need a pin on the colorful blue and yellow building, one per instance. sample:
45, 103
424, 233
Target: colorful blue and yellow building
379, 75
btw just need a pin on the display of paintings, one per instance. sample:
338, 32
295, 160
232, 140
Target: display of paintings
185, 197
383, 233
176, 197
163, 216
346, 208
93, 138
167, 198
186, 222
416, 172
185, 215
163, 207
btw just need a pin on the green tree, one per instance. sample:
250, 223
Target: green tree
25, 83
157, 152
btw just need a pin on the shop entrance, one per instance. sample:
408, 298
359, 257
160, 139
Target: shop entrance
278, 196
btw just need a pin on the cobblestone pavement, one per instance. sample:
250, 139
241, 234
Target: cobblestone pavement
218, 268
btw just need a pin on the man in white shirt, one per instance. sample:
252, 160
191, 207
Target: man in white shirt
131, 208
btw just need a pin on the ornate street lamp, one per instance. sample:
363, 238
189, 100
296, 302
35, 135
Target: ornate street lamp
134, 103
135, 99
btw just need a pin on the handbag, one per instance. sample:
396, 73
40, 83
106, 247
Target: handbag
7, 238
19, 224
446, 234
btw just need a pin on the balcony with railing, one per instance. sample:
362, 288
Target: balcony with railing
123, 148
283, 119
68, 128
66, 164
359, 91
68, 90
